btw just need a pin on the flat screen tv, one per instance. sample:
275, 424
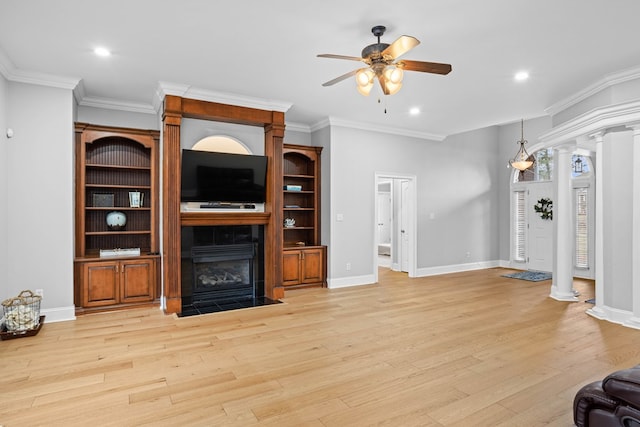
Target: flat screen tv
211, 177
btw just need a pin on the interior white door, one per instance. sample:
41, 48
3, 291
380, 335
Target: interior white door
404, 226
540, 238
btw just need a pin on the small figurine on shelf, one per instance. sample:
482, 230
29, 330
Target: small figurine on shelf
289, 222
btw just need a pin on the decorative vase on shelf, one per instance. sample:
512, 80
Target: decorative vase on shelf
116, 220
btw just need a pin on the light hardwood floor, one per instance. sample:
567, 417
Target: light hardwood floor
464, 349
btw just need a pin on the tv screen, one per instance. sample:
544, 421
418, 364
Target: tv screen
222, 177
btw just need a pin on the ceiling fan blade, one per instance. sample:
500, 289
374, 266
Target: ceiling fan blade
400, 46
350, 58
383, 85
341, 78
425, 67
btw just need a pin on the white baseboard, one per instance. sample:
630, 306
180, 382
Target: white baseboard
369, 279
456, 268
518, 265
59, 314
345, 282
614, 315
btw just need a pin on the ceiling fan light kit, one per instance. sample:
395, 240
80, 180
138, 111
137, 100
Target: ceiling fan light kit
381, 60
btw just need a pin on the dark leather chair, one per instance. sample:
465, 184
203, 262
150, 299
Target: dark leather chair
614, 401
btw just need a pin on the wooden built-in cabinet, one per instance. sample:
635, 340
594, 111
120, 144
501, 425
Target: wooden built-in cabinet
118, 282
304, 266
111, 163
304, 259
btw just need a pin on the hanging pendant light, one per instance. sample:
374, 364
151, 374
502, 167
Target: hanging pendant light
521, 160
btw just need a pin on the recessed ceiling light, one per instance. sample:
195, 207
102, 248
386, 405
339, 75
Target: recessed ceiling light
521, 76
414, 111
102, 51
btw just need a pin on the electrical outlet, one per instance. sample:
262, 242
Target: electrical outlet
40, 292
468, 254
348, 266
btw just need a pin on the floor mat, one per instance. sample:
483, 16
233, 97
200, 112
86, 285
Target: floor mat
532, 276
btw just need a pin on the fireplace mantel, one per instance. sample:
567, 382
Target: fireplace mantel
175, 109
206, 218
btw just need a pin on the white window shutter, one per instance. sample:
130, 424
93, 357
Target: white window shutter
582, 228
520, 226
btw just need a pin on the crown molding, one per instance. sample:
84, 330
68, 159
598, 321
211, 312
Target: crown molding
186, 91
13, 74
297, 127
604, 83
114, 104
334, 121
320, 125
5, 65
594, 121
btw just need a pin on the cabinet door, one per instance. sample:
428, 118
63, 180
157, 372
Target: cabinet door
312, 266
137, 280
291, 268
99, 284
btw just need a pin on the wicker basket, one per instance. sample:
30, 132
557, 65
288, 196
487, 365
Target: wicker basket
22, 313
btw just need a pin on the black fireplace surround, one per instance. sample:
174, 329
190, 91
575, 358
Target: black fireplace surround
222, 268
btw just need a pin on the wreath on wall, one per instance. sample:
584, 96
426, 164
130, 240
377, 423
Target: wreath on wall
545, 208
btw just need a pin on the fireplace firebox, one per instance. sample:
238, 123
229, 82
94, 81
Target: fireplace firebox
222, 272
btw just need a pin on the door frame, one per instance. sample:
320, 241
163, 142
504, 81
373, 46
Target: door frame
411, 211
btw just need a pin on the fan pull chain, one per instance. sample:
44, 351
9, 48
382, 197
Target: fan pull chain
385, 105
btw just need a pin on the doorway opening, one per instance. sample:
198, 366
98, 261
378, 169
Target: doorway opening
395, 223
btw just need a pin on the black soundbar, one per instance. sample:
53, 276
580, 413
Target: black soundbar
218, 205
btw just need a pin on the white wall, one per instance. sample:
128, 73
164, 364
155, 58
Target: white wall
292, 136
39, 198
109, 117
457, 190
4, 176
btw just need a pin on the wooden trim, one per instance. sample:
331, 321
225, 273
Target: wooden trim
206, 218
91, 133
85, 135
274, 135
171, 208
176, 108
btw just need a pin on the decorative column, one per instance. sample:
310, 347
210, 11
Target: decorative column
597, 311
634, 321
172, 119
563, 218
274, 135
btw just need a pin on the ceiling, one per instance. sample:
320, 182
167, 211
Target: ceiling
267, 50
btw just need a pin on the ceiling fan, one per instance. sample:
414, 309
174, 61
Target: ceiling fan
383, 64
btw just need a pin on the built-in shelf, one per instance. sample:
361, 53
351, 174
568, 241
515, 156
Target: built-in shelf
304, 259
110, 164
122, 167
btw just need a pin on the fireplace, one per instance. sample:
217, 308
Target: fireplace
222, 268
222, 272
